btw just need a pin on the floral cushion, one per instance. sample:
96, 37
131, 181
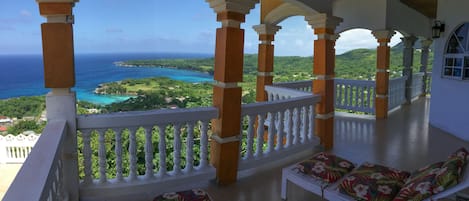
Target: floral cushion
373, 182
451, 171
419, 185
325, 167
191, 195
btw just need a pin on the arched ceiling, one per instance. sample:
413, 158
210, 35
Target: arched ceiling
283, 12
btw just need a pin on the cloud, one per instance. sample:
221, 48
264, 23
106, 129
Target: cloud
25, 13
114, 30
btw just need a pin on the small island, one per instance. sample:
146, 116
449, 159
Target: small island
199, 65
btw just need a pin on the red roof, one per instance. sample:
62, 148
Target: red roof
3, 128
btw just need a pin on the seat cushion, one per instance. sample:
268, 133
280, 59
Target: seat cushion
190, 195
373, 182
419, 185
325, 167
451, 171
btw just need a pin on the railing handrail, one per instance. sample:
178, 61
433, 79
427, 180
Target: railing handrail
265, 107
145, 118
34, 180
355, 82
286, 91
293, 84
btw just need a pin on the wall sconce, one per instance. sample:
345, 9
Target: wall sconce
437, 28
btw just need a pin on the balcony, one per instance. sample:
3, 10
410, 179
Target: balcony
138, 155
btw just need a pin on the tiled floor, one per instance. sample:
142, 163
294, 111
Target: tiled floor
405, 141
7, 174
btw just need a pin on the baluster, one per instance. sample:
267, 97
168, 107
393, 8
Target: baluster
204, 146
271, 132
260, 135
339, 95
296, 126
304, 124
149, 173
311, 123
133, 154
102, 156
250, 136
356, 97
280, 131
162, 150
289, 120
118, 151
190, 147
363, 103
177, 149
87, 157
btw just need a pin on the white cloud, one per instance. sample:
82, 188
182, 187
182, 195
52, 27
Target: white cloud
25, 13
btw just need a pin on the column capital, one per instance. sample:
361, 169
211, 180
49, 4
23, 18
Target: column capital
383, 35
266, 29
323, 21
237, 6
409, 41
426, 43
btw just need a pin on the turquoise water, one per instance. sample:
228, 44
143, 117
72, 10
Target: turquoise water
22, 75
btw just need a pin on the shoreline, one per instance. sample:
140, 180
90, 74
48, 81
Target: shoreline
125, 64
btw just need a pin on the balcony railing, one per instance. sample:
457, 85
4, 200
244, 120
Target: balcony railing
417, 84
15, 149
178, 139
355, 95
396, 92
41, 177
289, 120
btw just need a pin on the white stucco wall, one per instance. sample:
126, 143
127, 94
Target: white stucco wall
406, 20
368, 14
449, 109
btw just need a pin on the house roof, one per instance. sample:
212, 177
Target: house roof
426, 7
3, 128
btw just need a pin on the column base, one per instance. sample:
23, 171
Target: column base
381, 107
325, 131
225, 158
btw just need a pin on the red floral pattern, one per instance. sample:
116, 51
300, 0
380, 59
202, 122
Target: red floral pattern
191, 195
325, 167
419, 185
451, 171
373, 182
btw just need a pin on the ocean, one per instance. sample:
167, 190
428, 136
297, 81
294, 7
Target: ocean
23, 75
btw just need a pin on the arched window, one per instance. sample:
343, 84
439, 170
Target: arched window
457, 54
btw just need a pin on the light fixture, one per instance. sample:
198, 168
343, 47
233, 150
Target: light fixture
437, 28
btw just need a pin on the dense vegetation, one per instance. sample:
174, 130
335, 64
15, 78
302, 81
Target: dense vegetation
22, 107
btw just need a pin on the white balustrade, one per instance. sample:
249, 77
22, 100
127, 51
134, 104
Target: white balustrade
355, 95
162, 149
417, 84
290, 127
281, 93
41, 176
15, 149
304, 85
396, 94
428, 86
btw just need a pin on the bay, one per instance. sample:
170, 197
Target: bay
22, 75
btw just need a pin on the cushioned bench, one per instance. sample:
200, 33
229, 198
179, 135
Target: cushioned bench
335, 178
190, 195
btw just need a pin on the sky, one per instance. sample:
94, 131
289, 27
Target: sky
122, 26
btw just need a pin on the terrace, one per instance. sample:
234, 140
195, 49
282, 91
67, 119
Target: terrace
236, 150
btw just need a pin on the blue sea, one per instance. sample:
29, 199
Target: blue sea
22, 75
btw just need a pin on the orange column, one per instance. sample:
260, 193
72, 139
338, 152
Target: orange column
382, 72
265, 59
229, 54
59, 75
323, 70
